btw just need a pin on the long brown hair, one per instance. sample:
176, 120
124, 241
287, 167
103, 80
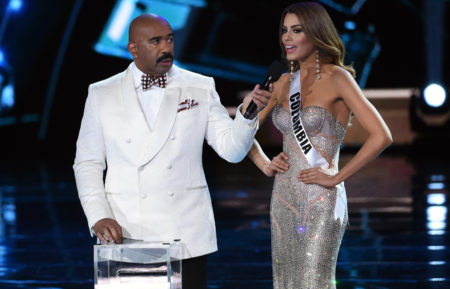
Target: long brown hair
320, 30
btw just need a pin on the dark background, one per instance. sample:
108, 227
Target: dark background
392, 240
249, 33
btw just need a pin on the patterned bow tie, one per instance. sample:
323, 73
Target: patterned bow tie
149, 80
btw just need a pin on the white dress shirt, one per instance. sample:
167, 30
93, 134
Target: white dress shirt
149, 99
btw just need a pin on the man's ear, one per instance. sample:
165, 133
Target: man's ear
132, 48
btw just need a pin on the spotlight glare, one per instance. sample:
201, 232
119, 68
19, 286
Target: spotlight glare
121, 19
15, 5
350, 25
436, 199
436, 186
437, 262
434, 248
434, 95
437, 178
7, 96
436, 225
436, 213
436, 232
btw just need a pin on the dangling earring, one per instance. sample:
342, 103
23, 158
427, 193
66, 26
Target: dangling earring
291, 71
317, 65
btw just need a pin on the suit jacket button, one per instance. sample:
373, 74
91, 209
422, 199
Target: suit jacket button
172, 137
169, 167
128, 140
171, 194
143, 196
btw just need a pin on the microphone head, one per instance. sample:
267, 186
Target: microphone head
275, 70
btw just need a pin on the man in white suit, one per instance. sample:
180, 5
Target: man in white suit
147, 125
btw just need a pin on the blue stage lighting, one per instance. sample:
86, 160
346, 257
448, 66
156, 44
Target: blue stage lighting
350, 25
15, 5
7, 97
434, 95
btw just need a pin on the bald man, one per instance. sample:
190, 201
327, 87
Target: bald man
148, 124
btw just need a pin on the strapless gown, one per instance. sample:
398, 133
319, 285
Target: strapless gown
307, 220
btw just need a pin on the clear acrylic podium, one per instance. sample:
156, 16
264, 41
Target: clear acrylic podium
138, 265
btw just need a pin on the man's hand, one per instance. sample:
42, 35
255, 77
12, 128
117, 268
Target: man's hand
259, 96
108, 230
279, 164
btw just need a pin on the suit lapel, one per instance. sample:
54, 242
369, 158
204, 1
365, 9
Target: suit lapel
163, 125
154, 140
133, 110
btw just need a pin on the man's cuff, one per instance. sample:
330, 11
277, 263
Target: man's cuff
93, 232
250, 122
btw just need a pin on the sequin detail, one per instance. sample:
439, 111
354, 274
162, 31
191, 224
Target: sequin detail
305, 234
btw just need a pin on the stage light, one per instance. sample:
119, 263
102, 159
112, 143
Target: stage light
434, 95
121, 20
7, 97
437, 213
436, 186
437, 178
436, 220
430, 110
436, 225
437, 279
436, 248
9, 213
350, 25
432, 99
15, 5
436, 199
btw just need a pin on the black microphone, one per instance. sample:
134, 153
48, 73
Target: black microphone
273, 73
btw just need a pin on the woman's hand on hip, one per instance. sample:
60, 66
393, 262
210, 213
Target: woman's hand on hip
317, 176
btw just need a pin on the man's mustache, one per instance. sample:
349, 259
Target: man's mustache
164, 56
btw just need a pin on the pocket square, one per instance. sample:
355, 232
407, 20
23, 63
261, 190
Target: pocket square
187, 104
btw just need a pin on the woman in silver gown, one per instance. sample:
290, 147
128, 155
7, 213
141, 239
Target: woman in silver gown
311, 106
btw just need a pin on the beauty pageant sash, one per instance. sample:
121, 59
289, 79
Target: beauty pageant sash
314, 158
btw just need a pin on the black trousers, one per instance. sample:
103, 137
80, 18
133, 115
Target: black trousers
194, 272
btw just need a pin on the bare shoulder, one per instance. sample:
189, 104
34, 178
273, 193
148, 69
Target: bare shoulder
339, 74
341, 78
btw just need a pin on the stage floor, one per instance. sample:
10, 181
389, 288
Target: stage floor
397, 238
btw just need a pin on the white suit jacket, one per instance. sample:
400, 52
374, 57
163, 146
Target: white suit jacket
155, 186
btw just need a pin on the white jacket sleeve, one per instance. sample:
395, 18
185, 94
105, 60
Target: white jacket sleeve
90, 164
231, 139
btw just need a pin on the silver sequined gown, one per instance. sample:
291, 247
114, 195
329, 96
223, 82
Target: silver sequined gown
306, 235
